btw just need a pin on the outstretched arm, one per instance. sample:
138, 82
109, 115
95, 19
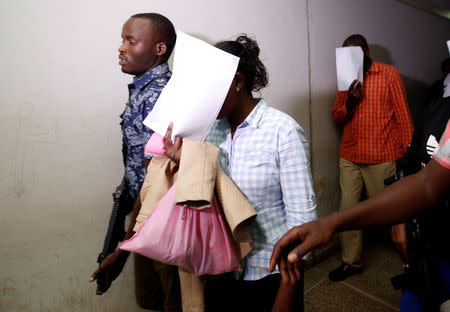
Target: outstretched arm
394, 204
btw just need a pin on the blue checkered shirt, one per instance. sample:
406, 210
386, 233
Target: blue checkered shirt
268, 159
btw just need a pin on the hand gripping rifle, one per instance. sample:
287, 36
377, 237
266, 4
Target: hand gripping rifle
123, 204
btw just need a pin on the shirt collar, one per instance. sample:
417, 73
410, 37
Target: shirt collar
252, 119
255, 116
375, 67
139, 83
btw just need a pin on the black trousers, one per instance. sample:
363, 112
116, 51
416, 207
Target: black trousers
228, 294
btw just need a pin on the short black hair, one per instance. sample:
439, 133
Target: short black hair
164, 28
358, 40
250, 66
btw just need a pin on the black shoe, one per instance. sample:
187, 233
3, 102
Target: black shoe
343, 272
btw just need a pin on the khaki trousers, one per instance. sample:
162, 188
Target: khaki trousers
157, 285
354, 179
192, 288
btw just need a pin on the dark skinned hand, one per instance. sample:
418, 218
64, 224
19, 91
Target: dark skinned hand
398, 234
173, 149
284, 300
296, 243
110, 268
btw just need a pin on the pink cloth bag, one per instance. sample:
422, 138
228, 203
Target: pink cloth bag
196, 239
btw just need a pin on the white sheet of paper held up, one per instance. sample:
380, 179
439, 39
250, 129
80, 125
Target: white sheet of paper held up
448, 45
201, 77
349, 66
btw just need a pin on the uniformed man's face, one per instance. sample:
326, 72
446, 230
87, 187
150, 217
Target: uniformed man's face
138, 52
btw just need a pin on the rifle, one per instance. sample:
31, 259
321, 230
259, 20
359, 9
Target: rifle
421, 274
123, 204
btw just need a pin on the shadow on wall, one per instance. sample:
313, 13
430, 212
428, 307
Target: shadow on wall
297, 107
416, 91
325, 138
380, 54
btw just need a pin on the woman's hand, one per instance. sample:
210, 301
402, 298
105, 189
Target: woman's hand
173, 149
284, 301
296, 243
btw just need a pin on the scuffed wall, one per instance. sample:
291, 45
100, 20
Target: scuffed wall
61, 95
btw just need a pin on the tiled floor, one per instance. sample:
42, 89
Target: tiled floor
369, 291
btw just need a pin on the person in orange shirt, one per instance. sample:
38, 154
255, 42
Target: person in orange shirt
377, 129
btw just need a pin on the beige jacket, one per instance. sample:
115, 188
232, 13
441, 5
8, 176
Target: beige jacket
198, 176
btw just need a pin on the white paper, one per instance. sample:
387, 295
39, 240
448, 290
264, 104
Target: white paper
349, 66
446, 85
201, 77
448, 46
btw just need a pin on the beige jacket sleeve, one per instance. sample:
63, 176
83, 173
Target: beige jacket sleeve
238, 212
199, 176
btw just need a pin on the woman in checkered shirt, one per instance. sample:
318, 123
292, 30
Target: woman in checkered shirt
266, 153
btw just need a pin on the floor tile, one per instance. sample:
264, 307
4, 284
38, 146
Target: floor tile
336, 297
382, 264
369, 291
312, 278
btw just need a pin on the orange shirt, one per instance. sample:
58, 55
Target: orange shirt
380, 128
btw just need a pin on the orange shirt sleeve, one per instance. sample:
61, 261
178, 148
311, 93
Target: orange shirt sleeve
401, 109
339, 111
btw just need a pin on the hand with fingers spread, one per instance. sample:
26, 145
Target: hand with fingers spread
296, 243
354, 95
173, 149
